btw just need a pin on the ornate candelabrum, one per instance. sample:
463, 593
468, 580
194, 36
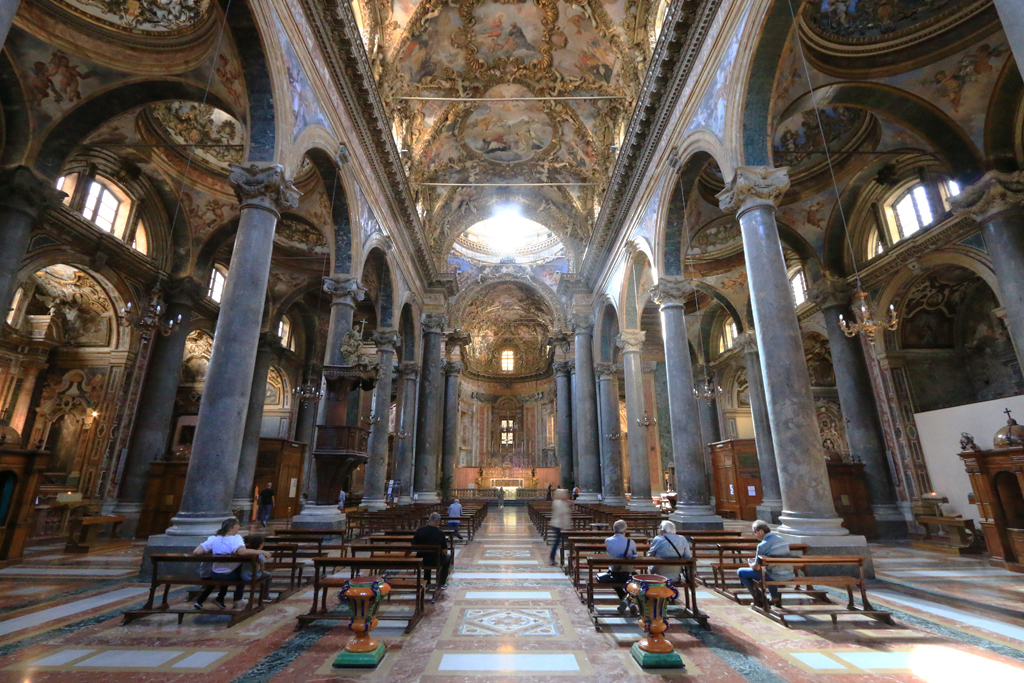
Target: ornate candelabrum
306, 392
652, 593
149, 320
709, 391
364, 595
865, 322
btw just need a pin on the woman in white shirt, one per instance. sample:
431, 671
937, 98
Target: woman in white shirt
225, 542
561, 519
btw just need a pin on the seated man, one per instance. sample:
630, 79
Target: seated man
619, 546
771, 545
455, 510
667, 545
431, 534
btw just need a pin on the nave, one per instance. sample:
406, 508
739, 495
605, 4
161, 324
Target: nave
507, 615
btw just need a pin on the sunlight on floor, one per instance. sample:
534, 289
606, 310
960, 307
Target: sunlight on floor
938, 664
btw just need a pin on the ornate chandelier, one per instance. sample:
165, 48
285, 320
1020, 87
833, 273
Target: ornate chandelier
306, 392
149, 320
865, 323
709, 391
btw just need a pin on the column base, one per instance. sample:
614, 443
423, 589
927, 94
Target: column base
131, 513
167, 543
588, 497
656, 660
427, 497
642, 505
769, 511
374, 504
890, 522
405, 500
320, 518
245, 505
823, 527
695, 518
848, 544
617, 501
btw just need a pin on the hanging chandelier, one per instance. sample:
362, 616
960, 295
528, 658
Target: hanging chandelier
149, 320
306, 392
709, 391
865, 322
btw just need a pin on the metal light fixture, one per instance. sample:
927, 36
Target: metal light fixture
646, 422
306, 392
615, 436
149, 320
709, 392
865, 323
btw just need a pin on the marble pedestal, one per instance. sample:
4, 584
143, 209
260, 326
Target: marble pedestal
695, 518
320, 518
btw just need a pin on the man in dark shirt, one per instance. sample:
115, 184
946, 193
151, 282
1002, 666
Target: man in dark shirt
431, 534
266, 504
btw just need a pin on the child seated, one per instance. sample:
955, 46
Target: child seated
254, 542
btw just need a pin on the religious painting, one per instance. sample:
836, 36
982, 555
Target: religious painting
579, 50
508, 132
196, 360
871, 18
428, 49
304, 105
275, 389
711, 112
819, 361
804, 135
298, 236
717, 240
507, 31
931, 306
77, 304
205, 133
68, 405
147, 16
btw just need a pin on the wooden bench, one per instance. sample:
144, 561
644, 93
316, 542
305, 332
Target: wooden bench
284, 558
258, 587
410, 580
733, 556
406, 550
580, 553
687, 586
779, 614
963, 538
82, 533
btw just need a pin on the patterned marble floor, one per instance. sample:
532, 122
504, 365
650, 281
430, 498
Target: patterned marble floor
508, 616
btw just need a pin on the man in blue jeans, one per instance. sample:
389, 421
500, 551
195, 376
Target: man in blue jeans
771, 545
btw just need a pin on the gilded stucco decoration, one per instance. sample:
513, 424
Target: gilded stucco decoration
142, 16
202, 133
507, 316
78, 303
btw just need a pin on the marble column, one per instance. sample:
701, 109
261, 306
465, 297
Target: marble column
995, 203
771, 494
632, 343
450, 438
8, 9
409, 371
244, 491
808, 514
612, 489
1011, 16
574, 409
588, 477
23, 198
563, 423
857, 401
431, 406
262, 191
152, 430
375, 480
305, 426
345, 292
693, 496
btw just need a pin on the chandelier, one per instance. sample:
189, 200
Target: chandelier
865, 323
709, 391
306, 392
149, 320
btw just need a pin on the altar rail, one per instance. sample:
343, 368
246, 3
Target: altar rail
492, 494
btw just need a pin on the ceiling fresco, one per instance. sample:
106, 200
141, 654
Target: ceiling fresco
141, 16
200, 132
507, 316
872, 18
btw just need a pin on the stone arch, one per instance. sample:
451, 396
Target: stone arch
518, 276
341, 218
607, 331
638, 278
673, 237
17, 129
408, 332
377, 277
248, 41
1003, 142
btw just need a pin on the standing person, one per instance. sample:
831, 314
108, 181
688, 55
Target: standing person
575, 492
620, 546
431, 534
561, 518
668, 544
771, 545
501, 498
341, 500
267, 501
455, 510
225, 542
549, 491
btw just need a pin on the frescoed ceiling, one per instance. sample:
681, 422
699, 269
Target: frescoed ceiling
507, 316
141, 16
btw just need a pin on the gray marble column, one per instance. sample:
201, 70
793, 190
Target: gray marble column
588, 477
375, 480
152, 431
995, 203
305, 426
213, 467
808, 513
345, 292
710, 427
612, 488
8, 8
23, 198
1011, 16
857, 401
575, 419
431, 407
563, 423
693, 496
632, 343
244, 491
450, 438
771, 494
404, 443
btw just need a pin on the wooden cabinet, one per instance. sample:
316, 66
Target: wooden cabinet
20, 474
279, 462
851, 498
164, 487
737, 478
997, 478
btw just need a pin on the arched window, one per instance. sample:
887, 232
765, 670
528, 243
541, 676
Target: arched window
15, 302
284, 331
218, 278
508, 428
876, 247
915, 208
140, 242
508, 360
727, 336
66, 184
106, 207
798, 283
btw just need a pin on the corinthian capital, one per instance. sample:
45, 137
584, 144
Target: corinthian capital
457, 340
671, 290
994, 193
748, 340
604, 369
263, 186
343, 289
631, 341
830, 292
433, 322
562, 367
754, 186
582, 323
452, 367
22, 190
409, 369
386, 340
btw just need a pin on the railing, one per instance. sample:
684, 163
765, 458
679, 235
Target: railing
347, 439
492, 494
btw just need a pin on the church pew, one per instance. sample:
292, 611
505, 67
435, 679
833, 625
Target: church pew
409, 579
687, 586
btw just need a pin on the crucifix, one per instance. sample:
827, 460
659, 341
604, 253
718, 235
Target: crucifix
1008, 416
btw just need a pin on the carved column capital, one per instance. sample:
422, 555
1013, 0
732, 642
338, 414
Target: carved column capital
996, 192
631, 341
452, 367
409, 369
604, 370
672, 290
386, 340
830, 292
457, 339
561, 367
754, 186
344, 290
433, 322
24, 191
748, 340
582, 323
263, 186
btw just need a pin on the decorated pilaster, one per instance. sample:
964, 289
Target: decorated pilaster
771, 495
995, 203
24, 196
262, 191
454, 345
409, 372
588, 478
374, 483
428, 420
857, 401
808, 515
637, 420
612, 489
693, 497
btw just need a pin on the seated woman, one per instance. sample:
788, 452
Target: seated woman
771, 545
225, 542
667, 545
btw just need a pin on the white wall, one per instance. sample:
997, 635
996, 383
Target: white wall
940, 438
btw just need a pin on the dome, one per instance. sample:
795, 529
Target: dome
1009, 436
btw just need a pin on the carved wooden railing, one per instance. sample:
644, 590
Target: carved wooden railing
341, 439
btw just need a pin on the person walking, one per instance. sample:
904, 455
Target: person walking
501, 498
561, 518
454, 512
267, 500
341, 500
